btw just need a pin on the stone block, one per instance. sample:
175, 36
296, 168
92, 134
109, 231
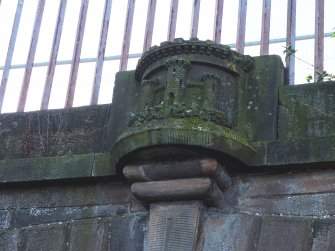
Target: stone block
306, 110
46, 168
5, 218
127, 233
9, 240
65, 195
88, 235
279, 233
323, 235
24, 217
281, 152
296, 205
102, 165
289, 183
53, 133
174, 226
234, 232
44, 237
258, 103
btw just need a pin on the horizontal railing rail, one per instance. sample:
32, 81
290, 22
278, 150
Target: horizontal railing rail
138, 55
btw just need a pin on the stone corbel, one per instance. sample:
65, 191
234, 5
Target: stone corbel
177, 193
204, 180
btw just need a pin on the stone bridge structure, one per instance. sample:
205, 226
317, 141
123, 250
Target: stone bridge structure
202, 148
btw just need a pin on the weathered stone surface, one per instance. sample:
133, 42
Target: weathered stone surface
191, 94
169, 170
307, 110
178, 189
102, 165
298, 205
43, 237
5, 218
9, 239
234, 232
46, 168
323, 235
65, 195
88, 235
174, 226
127, 233
53, 133
279, 233
258, 101
125, 99
288, 184
301, 151
58, 167
35, 216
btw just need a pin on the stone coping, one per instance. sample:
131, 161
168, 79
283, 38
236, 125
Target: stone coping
55, 168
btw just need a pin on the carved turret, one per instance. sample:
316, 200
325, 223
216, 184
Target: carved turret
210, 83
147, 94
175, 81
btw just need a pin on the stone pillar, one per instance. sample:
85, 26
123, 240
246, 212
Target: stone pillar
177, 194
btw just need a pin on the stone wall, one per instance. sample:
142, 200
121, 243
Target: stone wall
262, 211
76, 215
254, 161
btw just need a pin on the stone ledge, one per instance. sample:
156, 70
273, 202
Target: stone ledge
301, 151
58, 167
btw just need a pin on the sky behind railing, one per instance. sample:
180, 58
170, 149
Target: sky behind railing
305, 48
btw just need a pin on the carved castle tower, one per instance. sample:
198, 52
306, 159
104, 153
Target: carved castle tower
175, 81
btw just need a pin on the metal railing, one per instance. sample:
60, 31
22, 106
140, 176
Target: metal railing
99, 60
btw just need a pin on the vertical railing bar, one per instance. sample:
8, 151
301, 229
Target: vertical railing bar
242, 17
127, 35
290, 40
31, 56
53, 55
319, 37
101, 53
149, 27
218, 21
265, 33
76, 54
195, 18
172, 20
10, 51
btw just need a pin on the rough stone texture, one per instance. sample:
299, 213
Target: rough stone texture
125, 100
87, 235
306, 110
9, 239
66, 195
174, 226
61, 189
5, 218
298, 194
284, 234
121, 233
323, 236
54, 133
258, 103
24, 217
58, 167
127, 233
45, 237
236, 232
196, 93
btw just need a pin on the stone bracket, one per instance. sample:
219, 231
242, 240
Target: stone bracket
204, 180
